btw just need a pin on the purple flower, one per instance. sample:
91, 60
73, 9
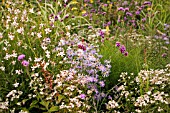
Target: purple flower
125, 18
117, 44
126, 9
105, 5
109, 97
143, 19
82, 96
89, 27
102, 84
122, 49
167, 42
129, 14
120, 9
109, 23
56, 18
101, 33
137, 12
147, 3
102, 68
126, 53
119, 20
164, 55
21, 57
25, 63
125, 3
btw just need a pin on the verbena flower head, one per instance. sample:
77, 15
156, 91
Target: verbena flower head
122, 49
21, 57
120, 9
117, 44
126, 53
147, 3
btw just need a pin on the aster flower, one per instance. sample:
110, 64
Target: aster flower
102, 84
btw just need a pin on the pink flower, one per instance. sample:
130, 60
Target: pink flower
25, 63
21, 57
82, 96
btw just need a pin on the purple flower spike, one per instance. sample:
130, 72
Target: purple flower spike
122, 49
101, 33
21, 57
25, 63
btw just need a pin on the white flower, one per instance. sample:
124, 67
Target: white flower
16, 84
20, 30
1, 36
11, 36
47, 30
47, 54
39, 35
23, 111
2, 68
31, 10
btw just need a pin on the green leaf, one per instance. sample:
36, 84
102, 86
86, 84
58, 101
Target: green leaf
60, 97
24, 100
34, 103
45, 104
54, 108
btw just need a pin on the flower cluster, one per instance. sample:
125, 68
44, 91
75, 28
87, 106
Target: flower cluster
149, 89
23, 62
122, 48
130, 15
